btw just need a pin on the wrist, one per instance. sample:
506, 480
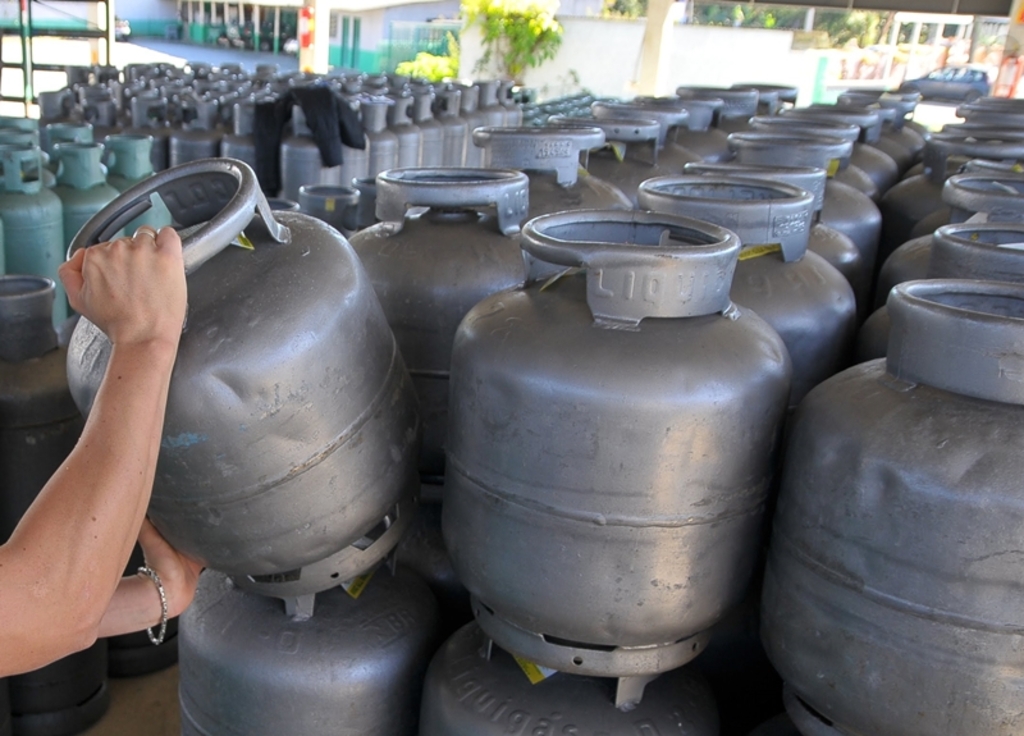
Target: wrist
155, 352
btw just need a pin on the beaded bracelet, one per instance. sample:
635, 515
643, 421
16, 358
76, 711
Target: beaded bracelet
150, 573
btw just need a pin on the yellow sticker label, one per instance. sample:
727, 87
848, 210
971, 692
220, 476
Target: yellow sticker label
534, 672
1018, 168
329, 204
756, 251
583, 173
243, 242
356, 586
619, 149
833, 167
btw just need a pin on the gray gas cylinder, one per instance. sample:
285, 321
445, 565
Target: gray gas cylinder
240, 143
432, 153
808, 302
301, 162
835, 247
991, 251
474, 688
878, 165
671, 119
904, 144
381, 143
902, 475
630, 155
128, 163
39, 426
355, 667
550, 156
429, 267
513, 110
469, 111
410, 138
337, 206
739, 105
56, 106
561, 551
847, 172
149, 116
100, 111
700, 136
280, 204
493, 112
244, 417
456, 128
366, 208
980, 197
772, 97
845, 208
81, 185
915, 198
199, 136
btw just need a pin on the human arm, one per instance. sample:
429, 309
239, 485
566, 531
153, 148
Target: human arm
62, 564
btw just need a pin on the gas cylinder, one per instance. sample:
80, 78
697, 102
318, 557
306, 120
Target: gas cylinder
422, 550
888, 463
898, 140
14, 136
550, 156
474, 688
468, 111
81, 185
129, 162
915, 198
827, 242
671, 121
356, 666
64, 133
301, 162
149, 116
55, 106
846, 209
30, 125
288, 469
739, 105
240, 143
410, 138
456, 129
779, 95
879, 166
808, 302
847, 172
366, 207
506, 98
631, 152
33, 222
980, 197
428, 268
699, 135
991, 251
381, 143
616, 506
488, 105
432, 153
39, 426
280, 204
199, 136
337, 206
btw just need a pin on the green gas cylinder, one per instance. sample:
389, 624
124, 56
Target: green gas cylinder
129, 161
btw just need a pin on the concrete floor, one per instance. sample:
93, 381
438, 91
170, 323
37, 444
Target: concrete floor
142, 706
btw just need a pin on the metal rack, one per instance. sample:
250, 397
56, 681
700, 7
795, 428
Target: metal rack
26, 30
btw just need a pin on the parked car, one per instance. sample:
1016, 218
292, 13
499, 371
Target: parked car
961, 83
122, 29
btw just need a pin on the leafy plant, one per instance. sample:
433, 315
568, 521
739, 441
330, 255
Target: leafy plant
517, 34
432, 67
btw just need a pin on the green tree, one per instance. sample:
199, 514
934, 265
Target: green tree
517, 34
432, 67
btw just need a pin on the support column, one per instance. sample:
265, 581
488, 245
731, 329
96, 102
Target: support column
277, 29
256, 27
322, 36
656, 53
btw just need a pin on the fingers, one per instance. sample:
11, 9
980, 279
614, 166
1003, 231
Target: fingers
168, 238
70, 273
145, 235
